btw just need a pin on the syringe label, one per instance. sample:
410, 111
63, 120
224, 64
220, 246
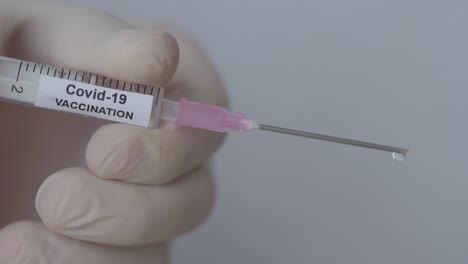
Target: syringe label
90, 100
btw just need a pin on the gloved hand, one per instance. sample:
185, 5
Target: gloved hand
116, 193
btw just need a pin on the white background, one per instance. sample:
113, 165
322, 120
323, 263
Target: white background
392, 72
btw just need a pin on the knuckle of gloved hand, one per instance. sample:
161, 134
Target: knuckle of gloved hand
169, 160
26, 244
123, 157
64, 202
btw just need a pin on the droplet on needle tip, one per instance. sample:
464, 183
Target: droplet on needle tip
398, 156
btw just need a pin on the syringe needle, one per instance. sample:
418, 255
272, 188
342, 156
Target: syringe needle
333, 139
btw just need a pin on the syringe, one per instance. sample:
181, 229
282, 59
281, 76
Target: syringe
98, 96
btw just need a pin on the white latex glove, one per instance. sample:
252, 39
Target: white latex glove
118, 194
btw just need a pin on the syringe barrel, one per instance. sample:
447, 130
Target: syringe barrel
20, 82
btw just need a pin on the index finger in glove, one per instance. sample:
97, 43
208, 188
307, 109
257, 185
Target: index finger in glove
90, 40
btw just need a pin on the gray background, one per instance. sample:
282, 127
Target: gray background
392, 72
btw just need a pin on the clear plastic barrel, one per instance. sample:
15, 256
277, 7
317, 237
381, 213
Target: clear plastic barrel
19, 83
16, 83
